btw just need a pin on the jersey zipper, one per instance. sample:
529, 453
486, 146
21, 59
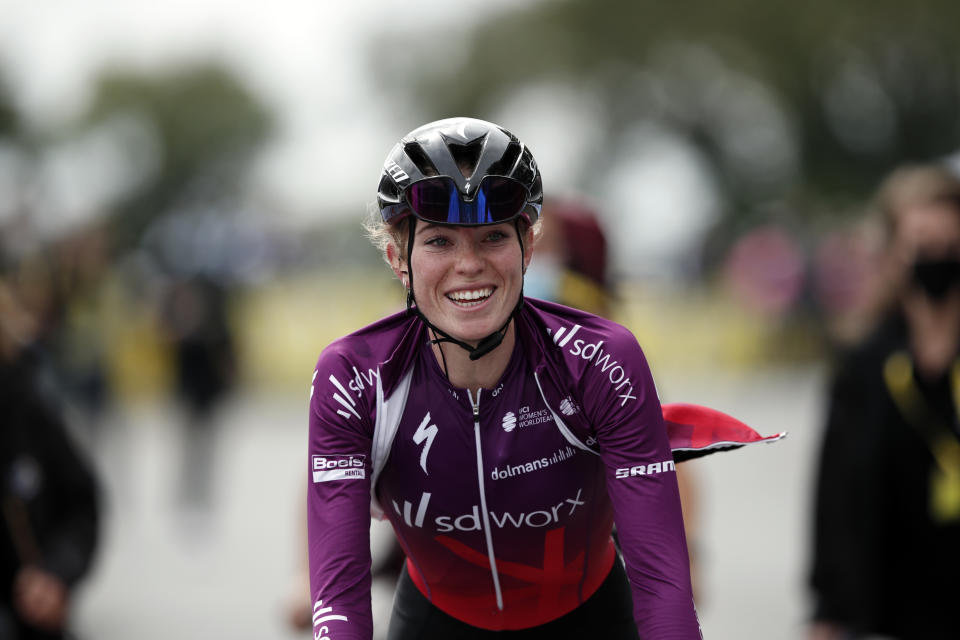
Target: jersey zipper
483, 499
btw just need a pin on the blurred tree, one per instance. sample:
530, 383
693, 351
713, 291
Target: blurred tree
8, 116
800, 103
202, 129
15, 150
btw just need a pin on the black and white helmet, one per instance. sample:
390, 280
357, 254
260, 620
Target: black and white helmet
485, 173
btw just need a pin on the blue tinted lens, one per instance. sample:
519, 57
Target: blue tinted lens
500, 199
438, 200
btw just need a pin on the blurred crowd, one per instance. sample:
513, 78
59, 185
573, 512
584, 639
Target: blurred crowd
60, 330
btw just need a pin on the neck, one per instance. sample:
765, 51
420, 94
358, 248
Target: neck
482, 373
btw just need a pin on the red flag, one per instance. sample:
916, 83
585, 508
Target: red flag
696, 431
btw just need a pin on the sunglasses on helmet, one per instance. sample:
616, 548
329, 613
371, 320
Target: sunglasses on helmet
437, 199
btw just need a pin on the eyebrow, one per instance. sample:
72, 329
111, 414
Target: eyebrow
429, 226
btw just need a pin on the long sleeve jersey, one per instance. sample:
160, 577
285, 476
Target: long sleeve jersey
503, 500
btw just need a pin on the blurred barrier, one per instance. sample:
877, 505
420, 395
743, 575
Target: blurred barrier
282, 327
700, 329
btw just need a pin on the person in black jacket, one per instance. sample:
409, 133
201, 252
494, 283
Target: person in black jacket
886, 547
49, 519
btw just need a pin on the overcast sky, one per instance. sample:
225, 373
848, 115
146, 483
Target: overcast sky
302, 57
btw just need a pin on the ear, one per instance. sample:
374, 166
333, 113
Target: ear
527, 247
398, 265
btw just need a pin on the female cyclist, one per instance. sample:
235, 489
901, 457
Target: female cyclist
501, 436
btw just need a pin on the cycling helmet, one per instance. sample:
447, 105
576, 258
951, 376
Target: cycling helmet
460, 171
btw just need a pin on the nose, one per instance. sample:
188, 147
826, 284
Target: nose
469, 258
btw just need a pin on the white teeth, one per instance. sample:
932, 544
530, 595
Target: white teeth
472, 296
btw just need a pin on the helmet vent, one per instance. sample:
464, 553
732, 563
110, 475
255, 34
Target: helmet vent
504, 166
466, 156
387, 190
417, 155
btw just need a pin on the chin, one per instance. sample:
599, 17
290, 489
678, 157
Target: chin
475, 333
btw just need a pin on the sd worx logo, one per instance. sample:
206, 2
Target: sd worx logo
547, 516
615, 372
356, 384
322, 615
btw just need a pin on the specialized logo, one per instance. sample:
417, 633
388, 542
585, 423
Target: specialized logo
534, 465
425, 434
616, 374
357, 384
647, 469
337, 467
396, 172
471, 521
321, 615
525, 417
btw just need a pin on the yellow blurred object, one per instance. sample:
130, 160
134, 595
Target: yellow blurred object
282, 328
138, 359
700, 329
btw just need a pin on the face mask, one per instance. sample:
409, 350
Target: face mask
542, 279
936, 278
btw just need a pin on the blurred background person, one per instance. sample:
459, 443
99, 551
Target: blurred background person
75, 329
49, 526
195, 319
887, 515
572, 258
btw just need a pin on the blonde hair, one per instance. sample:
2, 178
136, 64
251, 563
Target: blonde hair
382, 235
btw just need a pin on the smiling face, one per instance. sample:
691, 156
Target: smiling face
466, 280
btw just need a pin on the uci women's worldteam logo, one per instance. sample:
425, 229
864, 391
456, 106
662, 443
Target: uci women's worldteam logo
525, 417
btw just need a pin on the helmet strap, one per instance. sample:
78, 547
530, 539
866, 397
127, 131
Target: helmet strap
486, 345
412, 229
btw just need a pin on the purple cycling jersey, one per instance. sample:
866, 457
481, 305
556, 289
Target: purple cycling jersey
503, 500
